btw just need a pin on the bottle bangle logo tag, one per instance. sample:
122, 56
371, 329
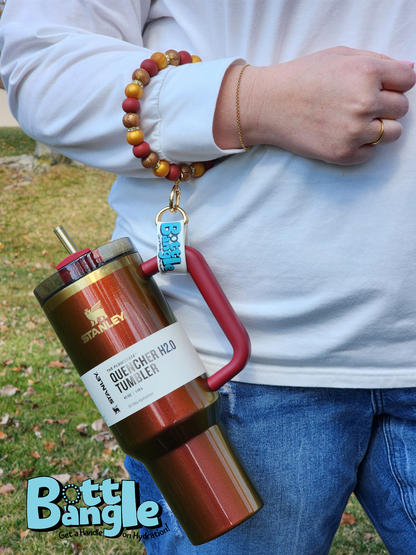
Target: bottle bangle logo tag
171, 240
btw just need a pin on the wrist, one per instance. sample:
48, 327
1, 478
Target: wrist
225, 127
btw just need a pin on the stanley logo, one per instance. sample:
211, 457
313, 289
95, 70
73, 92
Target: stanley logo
95, 313
99, 320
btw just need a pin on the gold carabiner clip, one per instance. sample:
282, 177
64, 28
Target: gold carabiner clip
175, 197
174, 201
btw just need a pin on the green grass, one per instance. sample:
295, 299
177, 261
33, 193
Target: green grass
14, 142
359, 538
32, 360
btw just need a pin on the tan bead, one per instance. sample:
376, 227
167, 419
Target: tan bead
196, 59
133, 90
163, 169
160, 60
174, 58
186, 172
141, 75
199, 169
150, 161
131, 120
135, 137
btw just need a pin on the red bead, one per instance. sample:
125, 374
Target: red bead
186, 58
150, 66
174, 173
142, 150
131, 105
208, 165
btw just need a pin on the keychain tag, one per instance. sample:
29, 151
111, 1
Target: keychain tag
171, 240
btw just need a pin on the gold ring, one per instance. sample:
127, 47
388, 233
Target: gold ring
382, 132
166, 209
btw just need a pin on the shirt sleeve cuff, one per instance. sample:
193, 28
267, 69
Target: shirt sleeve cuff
181, 124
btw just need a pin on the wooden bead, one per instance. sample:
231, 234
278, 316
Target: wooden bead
160, 60
162, 169
208, 164
131, 120
174, 58
133, 90
131, 105
196, 59
185, 57
199, 169
135, 137
142, 150
150, 66
174, 172
141, 75
186, 172
150, 161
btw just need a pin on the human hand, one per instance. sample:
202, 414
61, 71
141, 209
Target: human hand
324, 105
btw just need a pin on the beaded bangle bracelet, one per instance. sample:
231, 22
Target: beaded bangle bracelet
135, 136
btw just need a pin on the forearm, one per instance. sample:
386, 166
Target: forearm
66, 72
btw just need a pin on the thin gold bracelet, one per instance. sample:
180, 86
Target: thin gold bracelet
237, 105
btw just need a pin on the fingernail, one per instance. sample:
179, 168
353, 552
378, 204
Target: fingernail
411, 64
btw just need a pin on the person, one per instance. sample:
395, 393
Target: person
311, 232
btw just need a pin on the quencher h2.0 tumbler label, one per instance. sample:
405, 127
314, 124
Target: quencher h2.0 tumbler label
143, 373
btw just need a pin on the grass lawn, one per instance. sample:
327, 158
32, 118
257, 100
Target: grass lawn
14, 142
47, 421
47, 400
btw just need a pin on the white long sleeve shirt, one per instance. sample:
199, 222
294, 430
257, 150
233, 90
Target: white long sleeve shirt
318, 260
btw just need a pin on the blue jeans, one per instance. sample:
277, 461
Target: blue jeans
307, 449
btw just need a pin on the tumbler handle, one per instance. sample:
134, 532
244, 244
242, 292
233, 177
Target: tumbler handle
222, 310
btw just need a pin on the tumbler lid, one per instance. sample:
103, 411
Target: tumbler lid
80, 263
71, 258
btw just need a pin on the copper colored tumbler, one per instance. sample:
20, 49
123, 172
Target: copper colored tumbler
104, 307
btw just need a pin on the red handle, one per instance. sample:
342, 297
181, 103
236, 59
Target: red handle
221, 308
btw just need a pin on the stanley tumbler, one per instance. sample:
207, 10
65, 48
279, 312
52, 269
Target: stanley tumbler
148, 381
